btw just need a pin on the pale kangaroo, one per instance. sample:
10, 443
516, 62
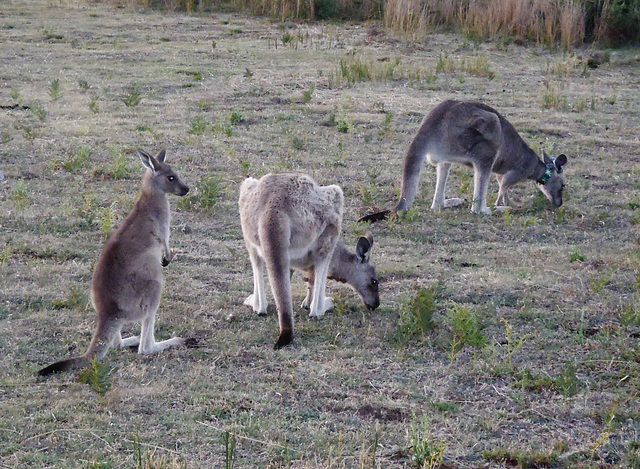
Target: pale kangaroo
127, 280
289, 222
476, 135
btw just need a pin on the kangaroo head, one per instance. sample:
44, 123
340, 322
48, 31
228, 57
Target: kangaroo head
161, 178
552, 183
362, 275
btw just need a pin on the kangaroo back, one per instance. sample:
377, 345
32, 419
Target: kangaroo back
288, 221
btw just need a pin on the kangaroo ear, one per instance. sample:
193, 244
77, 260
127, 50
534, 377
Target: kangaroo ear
363, 249
148, 161
547, 160
369, 237
560, 161
162, 155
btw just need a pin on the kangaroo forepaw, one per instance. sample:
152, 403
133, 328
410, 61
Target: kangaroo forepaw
455, 202
252, 302
481, 210
326, 306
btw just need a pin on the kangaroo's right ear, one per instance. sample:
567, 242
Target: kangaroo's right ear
148, 161
363, 248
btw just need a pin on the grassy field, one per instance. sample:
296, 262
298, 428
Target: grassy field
508, 340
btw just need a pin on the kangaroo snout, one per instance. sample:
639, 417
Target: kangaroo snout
374, 305
184, 190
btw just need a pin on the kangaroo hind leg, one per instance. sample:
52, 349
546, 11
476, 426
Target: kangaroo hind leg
149, 303
258, 299
148, 342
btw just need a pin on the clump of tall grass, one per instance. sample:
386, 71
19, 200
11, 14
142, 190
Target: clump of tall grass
564, 23
355, 69
543, 21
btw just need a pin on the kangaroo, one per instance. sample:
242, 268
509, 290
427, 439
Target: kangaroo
289, 222
476, 135
127, 280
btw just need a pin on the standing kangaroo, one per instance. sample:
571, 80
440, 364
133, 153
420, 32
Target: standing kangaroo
476, 135
289, 222
127, 280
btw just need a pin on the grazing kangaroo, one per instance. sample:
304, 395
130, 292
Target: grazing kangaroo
476, 135
127, 280
289, 222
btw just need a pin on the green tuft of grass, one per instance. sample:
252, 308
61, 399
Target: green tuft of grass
76, 299
20, 194
208, 195
132, 95
75, 162
576, 255
427, 450
236, 117
520, 458
418, 317
198, 126
466, 329
54, 89
98, 376
107, 219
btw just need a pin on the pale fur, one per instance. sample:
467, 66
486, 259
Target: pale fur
127, 280
476, 135
290, 222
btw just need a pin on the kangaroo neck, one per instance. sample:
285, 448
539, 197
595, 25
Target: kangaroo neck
155, 205
337, 267
540, 173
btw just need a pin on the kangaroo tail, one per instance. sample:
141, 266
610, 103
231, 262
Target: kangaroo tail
374, 217
75, 363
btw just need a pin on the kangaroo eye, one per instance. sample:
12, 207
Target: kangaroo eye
171, 178
374, 282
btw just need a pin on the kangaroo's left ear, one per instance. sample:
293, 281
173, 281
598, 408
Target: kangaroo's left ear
547, 160
148, 161
560, 161
363, 248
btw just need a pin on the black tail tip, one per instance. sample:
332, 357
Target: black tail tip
374, 217
51, 369
65, 365
286, 337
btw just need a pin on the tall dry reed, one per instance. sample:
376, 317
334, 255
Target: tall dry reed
547, 22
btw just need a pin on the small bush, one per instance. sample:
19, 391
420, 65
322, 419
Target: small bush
54, 89
132, 95
427, 450
421, 309
198, 126
236, 118
97, 376
466, 329
75, 162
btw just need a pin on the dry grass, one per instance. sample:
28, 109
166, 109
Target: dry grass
544, 22
524, 350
